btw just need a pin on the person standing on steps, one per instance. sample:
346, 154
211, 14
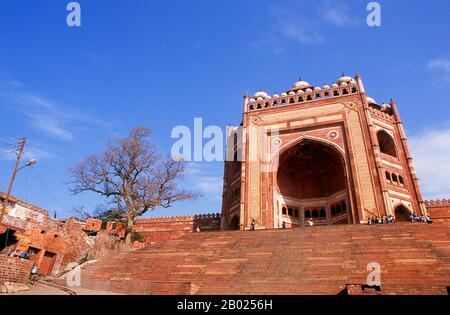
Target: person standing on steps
253, 224
283, 225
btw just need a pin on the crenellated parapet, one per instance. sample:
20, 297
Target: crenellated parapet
177, 218
303, 92
437, 202
439, 209
382, 111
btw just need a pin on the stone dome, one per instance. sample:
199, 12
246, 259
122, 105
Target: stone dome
345, 79
385, 107
300, 85
370, 100
326, 87
260, 94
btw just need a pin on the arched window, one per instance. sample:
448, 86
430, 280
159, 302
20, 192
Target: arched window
315, 213
291, 101
338, 209
344, 206
283, 210
401, 180
333, 210
323, 214
386, 143
290, 212
394, 178
388, 176
259, 106
307, 214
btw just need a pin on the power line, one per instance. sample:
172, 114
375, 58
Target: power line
8, 136
47, 190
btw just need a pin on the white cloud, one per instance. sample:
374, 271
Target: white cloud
300, 31
440, 68
339, 16
49, 117
51, 125
206, 177
441, 64
307, 27
210, 184
431, 152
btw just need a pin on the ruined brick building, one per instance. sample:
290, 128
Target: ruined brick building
331, 153
52, 243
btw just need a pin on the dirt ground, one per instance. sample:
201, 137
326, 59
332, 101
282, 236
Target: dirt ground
42, 289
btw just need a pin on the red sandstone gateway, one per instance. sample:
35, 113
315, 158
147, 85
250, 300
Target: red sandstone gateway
339, 158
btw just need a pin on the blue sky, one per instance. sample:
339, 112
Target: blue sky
160, 64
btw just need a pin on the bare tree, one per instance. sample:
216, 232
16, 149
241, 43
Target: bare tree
132, 176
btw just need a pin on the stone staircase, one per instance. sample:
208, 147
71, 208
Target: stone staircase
414, 259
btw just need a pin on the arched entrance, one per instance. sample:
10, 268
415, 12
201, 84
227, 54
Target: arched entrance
234, 223
311, 183
402, 213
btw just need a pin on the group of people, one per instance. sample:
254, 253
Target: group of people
383, 220
18, 253
24, 254
422, 218
390, 219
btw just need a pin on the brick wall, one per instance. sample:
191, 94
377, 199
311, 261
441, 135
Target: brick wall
155, 230
438, 210
14, 269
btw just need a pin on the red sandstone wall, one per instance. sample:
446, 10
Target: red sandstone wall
14, 269
155, 230
438, 210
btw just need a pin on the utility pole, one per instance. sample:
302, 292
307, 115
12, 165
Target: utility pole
21, 147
